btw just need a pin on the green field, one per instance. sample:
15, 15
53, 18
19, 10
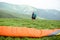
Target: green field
39, 24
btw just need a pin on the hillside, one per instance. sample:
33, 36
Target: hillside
23, 10
4, 14
49, 14
10, 14
15, 11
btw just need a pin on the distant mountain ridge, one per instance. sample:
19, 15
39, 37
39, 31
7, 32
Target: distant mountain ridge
24, 11
50, 14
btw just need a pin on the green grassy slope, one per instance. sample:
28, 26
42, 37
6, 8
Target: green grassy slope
5, 14
39, 24
10, 14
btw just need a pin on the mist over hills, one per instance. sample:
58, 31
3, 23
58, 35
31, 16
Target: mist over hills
50, 14
23, 11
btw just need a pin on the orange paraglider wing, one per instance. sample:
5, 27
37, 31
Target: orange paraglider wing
26, 32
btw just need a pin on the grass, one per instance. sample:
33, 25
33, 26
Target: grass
39, 24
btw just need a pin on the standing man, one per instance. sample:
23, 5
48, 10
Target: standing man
33, 16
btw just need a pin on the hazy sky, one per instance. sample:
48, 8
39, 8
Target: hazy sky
43, 4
